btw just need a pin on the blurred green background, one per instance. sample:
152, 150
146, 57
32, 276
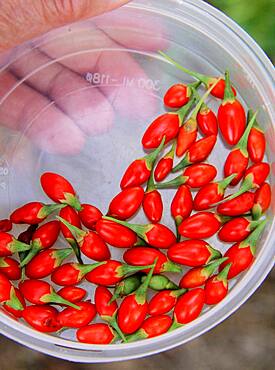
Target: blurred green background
257, 17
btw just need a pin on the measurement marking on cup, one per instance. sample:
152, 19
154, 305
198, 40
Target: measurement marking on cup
140, 82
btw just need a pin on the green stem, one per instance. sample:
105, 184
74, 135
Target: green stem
256, 125
175, 325
228, 93
48, 209
242, 144
222, 185
183, 163
222, 276
77, 233
75, 249
178, 293
214, 253
202, 99
138, 335
175, 183
126, 286
140, 230
128, 269
183, 111
142, 289
211, 267
151, 158
32, 253
252, 238
171, 153
247, 185
178, 221
53, 297
203, 78
114, 325
254, 224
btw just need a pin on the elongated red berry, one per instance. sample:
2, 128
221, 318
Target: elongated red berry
165, 165
197, 276
157, 235
195, 176
256, 142
237, 160
45, 262
134, 308
211, 193
231, 116
111, 272
192, 253
242, 254
5, 225
207, 121
42, 318
164, 301
72, 318
40, 292
138, 172
59, 189
200, 225
72, 273
237, 229
116, 235
89, 242
152, 327
98, 333
125, 204
142, 256
33, 213
216, 287
89, 215
72, 293
10, 267
262, 201
238, 206
188, 307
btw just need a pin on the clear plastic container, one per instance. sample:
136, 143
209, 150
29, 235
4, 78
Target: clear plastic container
77, 101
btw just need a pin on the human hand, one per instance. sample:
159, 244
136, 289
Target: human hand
43, 92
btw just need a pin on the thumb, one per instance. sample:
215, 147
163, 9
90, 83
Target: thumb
22, 20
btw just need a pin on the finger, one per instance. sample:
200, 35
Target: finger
86, 50
38, 118
81, 101
22, 20
136, 32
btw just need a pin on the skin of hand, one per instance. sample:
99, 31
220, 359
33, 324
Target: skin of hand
44, 93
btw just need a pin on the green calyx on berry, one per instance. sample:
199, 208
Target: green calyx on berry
71, 200
212, 266
48, 209
229, 96
252, 238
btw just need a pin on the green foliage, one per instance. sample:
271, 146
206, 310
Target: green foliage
257, 17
